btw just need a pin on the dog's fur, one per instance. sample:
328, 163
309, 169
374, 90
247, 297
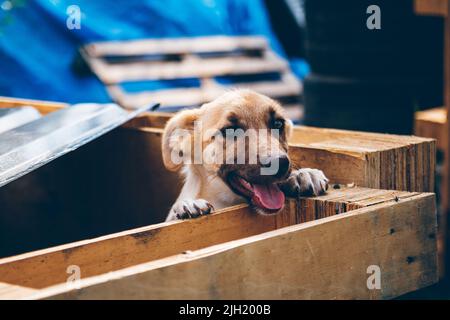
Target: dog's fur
206, 184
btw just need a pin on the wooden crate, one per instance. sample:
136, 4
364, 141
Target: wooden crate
432, 124
316, 248
202, 58
235, 254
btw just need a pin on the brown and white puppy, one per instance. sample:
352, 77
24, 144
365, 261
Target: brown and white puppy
216, 178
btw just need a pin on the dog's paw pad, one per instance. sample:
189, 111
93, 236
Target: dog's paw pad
188, 209
306, 182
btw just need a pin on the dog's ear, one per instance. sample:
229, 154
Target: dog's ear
178, 138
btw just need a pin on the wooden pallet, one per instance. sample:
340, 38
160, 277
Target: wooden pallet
432, 124
319, 247
203, 58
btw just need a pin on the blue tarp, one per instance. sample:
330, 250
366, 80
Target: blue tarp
37, 49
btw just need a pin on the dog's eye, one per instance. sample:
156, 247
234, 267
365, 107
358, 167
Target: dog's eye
278, 124
230, 129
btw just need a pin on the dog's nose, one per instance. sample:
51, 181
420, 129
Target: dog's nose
279, 165
284, 165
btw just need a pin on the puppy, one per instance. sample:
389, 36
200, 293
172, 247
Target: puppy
213, 150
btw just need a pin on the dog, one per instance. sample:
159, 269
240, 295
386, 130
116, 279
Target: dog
217, 179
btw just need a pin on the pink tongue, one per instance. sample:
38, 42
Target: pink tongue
268, 196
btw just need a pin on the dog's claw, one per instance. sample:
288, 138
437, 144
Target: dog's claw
305, 182
189, 209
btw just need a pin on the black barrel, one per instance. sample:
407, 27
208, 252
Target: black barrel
367, 104
360, 72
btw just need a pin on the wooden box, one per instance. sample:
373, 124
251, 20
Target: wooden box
323, 247
431, 124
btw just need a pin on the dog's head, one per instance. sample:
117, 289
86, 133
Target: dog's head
241, 137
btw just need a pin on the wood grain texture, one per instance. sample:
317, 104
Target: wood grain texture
432, 124
324, 259
48, 267
9, 291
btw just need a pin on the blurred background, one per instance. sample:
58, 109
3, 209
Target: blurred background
350, 76
317, 57
38, 51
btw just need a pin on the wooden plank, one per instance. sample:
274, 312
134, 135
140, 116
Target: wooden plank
432, 124
44, 107
176, 46
9, 291
431, 7
380, 161
190, 67
48, 267
287, 86
323, 259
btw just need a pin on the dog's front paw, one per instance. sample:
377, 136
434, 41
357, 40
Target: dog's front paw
305, 182
188, 209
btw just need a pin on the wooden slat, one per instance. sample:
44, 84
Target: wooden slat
47, 267
9, 291
431, 7
287, 86
432, 124
175, 46
193, 67
116, 251
44, 107
324, 259
372, 160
